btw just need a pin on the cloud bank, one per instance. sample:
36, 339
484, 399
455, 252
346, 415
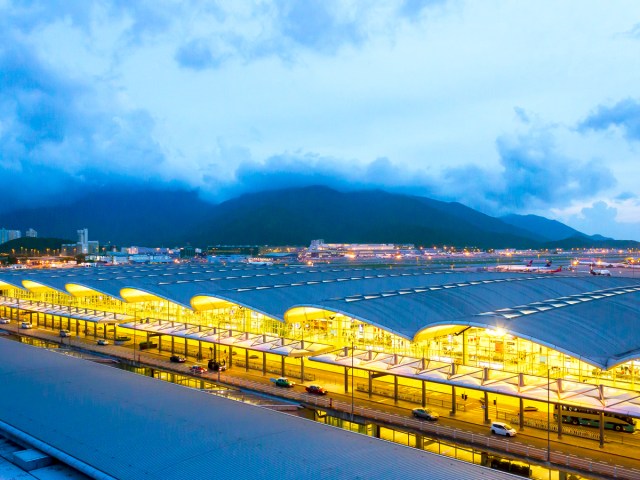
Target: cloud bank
446, 99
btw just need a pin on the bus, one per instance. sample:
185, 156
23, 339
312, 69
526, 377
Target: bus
591, 418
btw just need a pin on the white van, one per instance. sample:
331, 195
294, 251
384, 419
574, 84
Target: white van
26, 325
501, 428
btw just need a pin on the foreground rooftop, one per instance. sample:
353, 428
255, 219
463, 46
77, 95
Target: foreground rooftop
132, 427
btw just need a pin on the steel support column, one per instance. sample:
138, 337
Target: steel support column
486, 408
395, 388
521, 417
453, 401
601, 422
346, 379
558, 408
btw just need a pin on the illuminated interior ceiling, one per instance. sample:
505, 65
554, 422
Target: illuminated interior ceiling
81, 291
439, 330
205, 302
308, 313
9, 285
297, 314
36, 287
132, 295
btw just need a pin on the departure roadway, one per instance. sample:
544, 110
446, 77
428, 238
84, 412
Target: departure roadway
617, 459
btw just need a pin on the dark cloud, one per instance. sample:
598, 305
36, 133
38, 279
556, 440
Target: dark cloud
59, 137
27, 15
197, 55
522, 115
532, 176
145, 17
535, 175
286, 171
624, 115
626, 196
313, 24
414, 8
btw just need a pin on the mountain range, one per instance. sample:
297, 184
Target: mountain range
293, 217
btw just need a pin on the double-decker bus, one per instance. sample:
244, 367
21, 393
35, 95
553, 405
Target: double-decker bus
591, 418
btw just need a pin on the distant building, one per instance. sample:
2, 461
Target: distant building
7, 235
83, 241
222, 250
93, 246
187, 252
133, 250
226, 258
320, 249
69, 250
31, 233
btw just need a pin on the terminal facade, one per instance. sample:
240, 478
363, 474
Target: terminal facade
568, 339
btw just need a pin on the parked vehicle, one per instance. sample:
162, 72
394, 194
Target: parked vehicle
65, 333
425, 413
26, 325
177, 359
198, 369
316, 390
283, 382
216, 366
501, 428
102, 341
4, 321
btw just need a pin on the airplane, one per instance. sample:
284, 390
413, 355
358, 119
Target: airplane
516, 268
600, 271
528, 268
548, 270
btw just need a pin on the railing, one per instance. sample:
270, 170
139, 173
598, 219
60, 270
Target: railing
288, 372
403, 394
582, 432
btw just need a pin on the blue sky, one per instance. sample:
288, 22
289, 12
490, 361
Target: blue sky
504, 106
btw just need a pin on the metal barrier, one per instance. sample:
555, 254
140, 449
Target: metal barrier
410, 397
288, 372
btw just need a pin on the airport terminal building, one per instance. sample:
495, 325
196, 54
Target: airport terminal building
570, 339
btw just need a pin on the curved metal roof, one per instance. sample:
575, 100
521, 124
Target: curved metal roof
589, 317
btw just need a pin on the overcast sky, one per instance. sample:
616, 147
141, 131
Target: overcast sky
524, 107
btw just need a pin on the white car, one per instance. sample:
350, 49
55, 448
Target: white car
505, 429
4, 321
26, 325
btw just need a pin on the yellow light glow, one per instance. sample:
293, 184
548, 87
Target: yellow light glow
80, 290
131, 295
498, 332
37, 287
204, 302
307, 313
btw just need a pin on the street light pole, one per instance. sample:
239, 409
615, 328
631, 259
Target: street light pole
549, 416
352, 361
